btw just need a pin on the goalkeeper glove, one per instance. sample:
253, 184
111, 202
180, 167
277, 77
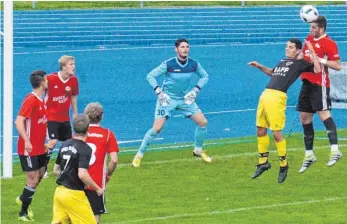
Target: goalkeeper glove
190, 97
163, 98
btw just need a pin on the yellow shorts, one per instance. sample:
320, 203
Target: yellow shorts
71, 206
271, 112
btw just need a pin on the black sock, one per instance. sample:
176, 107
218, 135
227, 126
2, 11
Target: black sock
308, 136
331, 130
265, 154
26, 198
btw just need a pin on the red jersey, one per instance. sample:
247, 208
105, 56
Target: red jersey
326, 48
102, 141
58, 98
34, 110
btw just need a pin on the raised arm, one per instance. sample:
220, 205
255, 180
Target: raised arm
315, 59
264, 69
336, 65
333, 57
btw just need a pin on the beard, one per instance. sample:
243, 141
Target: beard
184, 57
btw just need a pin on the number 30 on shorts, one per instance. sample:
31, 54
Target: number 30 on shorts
161, 112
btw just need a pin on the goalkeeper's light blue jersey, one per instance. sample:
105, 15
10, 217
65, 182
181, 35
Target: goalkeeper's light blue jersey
177, 76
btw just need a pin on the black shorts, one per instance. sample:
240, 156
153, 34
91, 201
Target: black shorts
96, 202
32, 163
313, 98
59, 130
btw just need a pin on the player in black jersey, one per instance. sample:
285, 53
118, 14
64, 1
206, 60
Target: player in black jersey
71, 168
272, 103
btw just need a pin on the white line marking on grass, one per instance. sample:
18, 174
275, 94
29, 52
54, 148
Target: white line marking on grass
138, 140
326, 138
228, 156
193, 159
228, 111
119, 142
232, 210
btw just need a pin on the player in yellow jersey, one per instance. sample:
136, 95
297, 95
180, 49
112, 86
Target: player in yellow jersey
272, 103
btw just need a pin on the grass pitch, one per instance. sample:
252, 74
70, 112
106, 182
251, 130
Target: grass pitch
173, 187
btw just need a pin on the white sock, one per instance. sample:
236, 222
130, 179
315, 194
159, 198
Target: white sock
308, 152
197, 150
334, 148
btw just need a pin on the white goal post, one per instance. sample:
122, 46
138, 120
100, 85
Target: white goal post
7, 147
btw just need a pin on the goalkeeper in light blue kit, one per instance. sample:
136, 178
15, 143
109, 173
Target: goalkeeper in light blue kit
176, 95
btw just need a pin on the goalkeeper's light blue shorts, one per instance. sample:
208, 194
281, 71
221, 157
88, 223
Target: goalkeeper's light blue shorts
176, 105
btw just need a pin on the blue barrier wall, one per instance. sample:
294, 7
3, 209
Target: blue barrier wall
162, 26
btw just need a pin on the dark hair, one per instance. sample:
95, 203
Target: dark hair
36, 78
297, 42
321, 22
179, 41
81, 124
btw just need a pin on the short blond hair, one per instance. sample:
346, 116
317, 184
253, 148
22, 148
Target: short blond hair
64, 59
94, 111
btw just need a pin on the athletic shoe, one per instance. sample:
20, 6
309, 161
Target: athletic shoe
282, 175
136, 161
30, 212
308, 161
203, 156
334, 157
25, 218
261, 168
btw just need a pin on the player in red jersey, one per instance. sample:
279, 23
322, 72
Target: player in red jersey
103, 142
62, 92
31, 124
314, 94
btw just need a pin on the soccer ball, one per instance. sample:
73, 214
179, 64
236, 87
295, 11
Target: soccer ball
308, 13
